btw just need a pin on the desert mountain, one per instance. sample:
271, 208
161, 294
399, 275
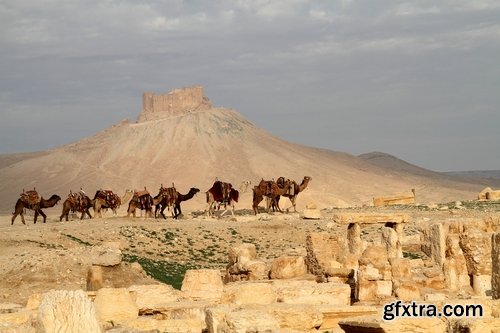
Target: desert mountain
179, 137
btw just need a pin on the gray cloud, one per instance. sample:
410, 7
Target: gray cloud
418, 80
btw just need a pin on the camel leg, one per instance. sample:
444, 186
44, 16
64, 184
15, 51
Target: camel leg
43, 215
36, 216
14, 217
88, 213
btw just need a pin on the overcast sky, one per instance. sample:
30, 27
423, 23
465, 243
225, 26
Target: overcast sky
416, 79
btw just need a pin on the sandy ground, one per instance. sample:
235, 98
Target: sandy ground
35, 258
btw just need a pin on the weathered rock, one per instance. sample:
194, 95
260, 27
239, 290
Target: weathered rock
144, 324
296, 317
322, 248
392, 243
249, 293
493, 195
476, 247
202, 284
354, 239
455, 273
94, 278
311, 292
438, 243
65, 311
241, 253
312, 214
406, 291
373, 290
482, 194
115, 304
225, 319
153, 296
105, 255
495, 258
401, 325
401, 268
288, 267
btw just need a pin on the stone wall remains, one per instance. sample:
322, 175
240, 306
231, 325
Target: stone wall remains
174, 103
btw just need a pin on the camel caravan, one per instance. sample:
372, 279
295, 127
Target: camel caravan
221, 194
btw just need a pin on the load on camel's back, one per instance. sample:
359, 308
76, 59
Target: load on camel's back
76, 202
142, 200
221, 193
31, 200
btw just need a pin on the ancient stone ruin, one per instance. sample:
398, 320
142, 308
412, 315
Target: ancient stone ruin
173, 103
341, 282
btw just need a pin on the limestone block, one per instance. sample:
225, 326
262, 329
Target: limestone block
243, 321
368, 272
495, 257
374, 255
145, 324
202, 284
373, 290
407, 291
15, 317
249, 293
321, 249
241, 253
301, 317
288, 267
370, 218
354, 239
438, 243
481, 284
153, 296
256, 270
434, 297
390, 239
311, 292
105, 255
95, 279
455, 273
401, 268
401, 325
476, 247
312, 214
67, 311
115, 304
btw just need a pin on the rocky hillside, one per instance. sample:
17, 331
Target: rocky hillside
193, 147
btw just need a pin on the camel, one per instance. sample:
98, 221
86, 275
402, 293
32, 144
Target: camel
272, 192
292, 195
142, 200
183, 197
221, 193
77, 202
244, 186
173, 201
22, 204
166, 199
108, 199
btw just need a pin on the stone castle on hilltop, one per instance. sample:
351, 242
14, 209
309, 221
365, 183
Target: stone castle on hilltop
176, 102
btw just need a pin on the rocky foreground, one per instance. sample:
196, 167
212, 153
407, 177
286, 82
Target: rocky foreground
335, 271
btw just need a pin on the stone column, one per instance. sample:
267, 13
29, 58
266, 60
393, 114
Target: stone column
354, 238
391, 240
495, 258
438, 244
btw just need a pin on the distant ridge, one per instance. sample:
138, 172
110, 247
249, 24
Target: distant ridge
194, 145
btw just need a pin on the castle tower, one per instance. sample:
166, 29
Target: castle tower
173, 103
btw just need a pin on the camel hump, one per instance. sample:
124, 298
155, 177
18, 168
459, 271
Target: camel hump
31, 197
141, 193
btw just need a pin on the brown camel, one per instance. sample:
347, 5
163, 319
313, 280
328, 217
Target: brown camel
292, 195
104, 199
221, 194
76, 202
174, 202
183, 197
272, 192
142, 200
22, 204
166, 198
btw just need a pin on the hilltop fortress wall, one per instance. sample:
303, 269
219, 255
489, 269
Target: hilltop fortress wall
175, 102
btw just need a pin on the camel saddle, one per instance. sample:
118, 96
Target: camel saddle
30, 197
141, 193
226, 191
77, 201
282, 182
109, 197
169, 193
